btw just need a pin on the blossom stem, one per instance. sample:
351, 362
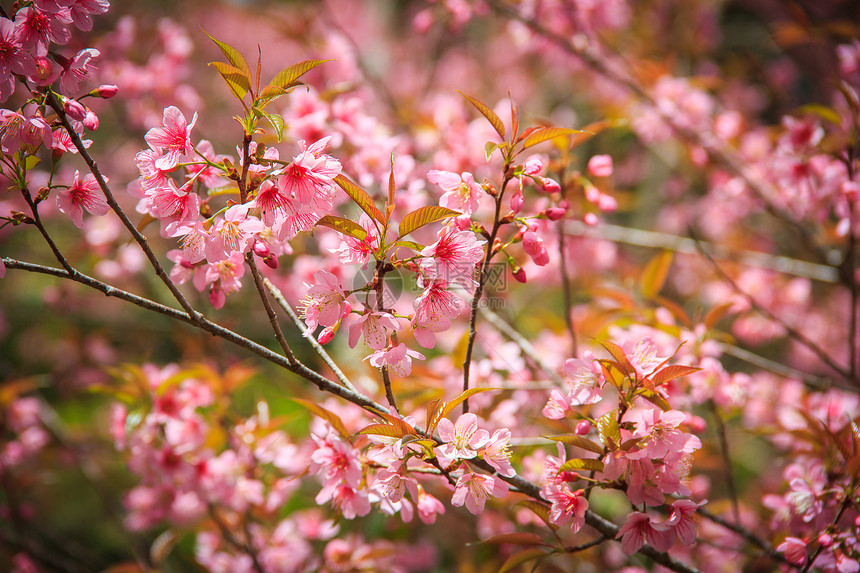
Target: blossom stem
727, 462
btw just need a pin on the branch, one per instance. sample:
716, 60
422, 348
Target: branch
746, 534
141, 240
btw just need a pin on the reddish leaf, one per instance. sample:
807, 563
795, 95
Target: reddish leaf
344, 226
620, 357
321, 412
581, 464
383, 430
491, 116
361, 197
545, 134
672, 372
521, 557
577, 441
287, 77
234, 57
655, 273
446, 409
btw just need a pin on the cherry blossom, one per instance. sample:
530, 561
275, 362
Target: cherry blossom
566, 506
172, 140
80, 195
398, 359
639, 529
325, 302
463, 438
461, 192
474, 489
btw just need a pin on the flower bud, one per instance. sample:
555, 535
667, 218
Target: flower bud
326, 335
555, 213
825, 540
106, 91
75, 109
583, 428
261, 249
91, 121
590, 219
463, 223
600, 166
520, 275
550, 185
271, 261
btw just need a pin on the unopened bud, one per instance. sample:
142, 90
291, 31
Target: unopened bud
590, 219
583, 428
520, 275
261, 249
555, 213
43, 194
75, 109
825, 540
326, 335
550, 185
271, 262
91, 121
106, 91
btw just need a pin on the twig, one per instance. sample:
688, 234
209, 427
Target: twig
567, 293
284, 304
746, 534
226, 532
510, 332
727, 462
138, 237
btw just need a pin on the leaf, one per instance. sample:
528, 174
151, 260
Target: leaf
391, 187
655, 273
397, 423
581, 464
545, 134
491, 116
408, 244
593, 129
608, 429
286, 78
11, 390
234, 57
321, 412
577, 441
671, 373
489, 149
162, 547
622, 362
344, 226
269, 93
823, 112
360, 196
424, 216
31, 162
655, 399
383, 430
432, 417
518, 538
238, 83
277, 121
446, 409
538, 509
716, 314
521, 557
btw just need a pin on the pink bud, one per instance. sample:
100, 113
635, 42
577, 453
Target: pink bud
825, 540
533, 166
550, 185
91, 121
347, 308
463, 223
107, 91
555, 213
271, 262
261, 249
517, 201
75, 109
583, 428
326, 335
600, 166
590, 219
851, 190
520, 275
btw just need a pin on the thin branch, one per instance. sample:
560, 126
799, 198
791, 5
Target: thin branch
111, 200
567, 292
511, 333
811, 380
793, 332
227, 533
270, 312
284, 304
37, 220
746, 534
727, 461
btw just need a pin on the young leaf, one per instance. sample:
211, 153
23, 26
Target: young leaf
446, 409
655, 399
286, 78
329, 417
716, 314
545, 134
581, 464
233, 77
655, 273
398, 423
521, 557
491, 116
538, 509
270, 92
432, 417
234, 57
383, 430
360, 196
489, 149
391, 185
622, 362
408, 244
671, 373
608, 429
424, 216
577, 441
344, 226
277, 122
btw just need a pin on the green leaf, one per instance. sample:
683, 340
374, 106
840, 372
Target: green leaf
545, 134
360, 196
491, 116
287, 77
408, 244
276, 120
521, 557
608, 429
424, 216
581, 464
655, 273
238, 83
30, 162
577, 441
490, 148
321, 412
823, 112
344, 226
655, 399
671, 373
446, 409
234, 57
517, 538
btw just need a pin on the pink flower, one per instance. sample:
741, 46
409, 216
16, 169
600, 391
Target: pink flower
82, 195
398, 359
392, 482
80, 11
235, 232
375, 327
556, 406
79, 69
585, 379
453, 256
355, 251
336, 462
14, 59
681, 520
172, 139
497, 453
474, 489
461, 192
325, 302
533, 246
428, 507
463, 438
566, 505
35, 30
349, 501
794, 550
434, 309
310, 176
639, 529
600, 166
664, 437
